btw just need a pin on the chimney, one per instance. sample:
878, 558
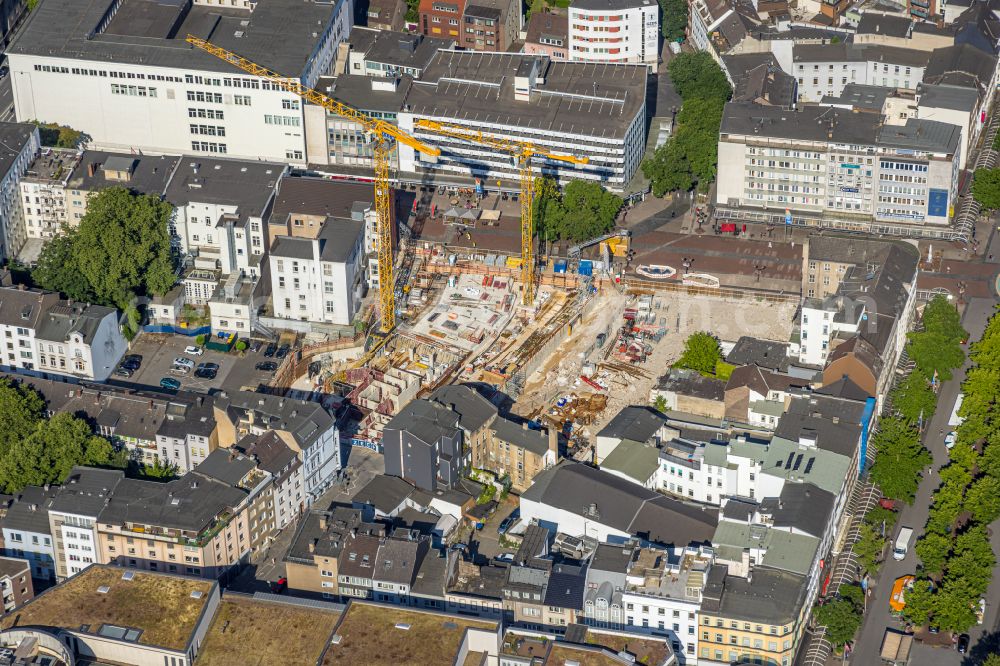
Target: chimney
554, 443
312, 545
322, 522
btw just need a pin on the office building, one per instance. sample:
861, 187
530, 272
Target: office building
123, 74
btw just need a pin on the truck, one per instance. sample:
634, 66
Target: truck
902, 544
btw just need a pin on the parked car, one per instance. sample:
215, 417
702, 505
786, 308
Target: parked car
949, 439
271, 349
509, 521
122, 371
505, 557
180, 370
205, 372
282, 351
963, 644
193, 350
183, 362
267, 366
279, 585
255, 346
981, 610
170, 384
132, 361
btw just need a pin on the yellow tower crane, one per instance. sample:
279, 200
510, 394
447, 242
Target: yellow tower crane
382, 133
522, 152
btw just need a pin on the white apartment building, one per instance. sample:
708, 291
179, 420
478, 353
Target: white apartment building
614, 31
573, 108
320, 279
19, 144
57, 186
219, 210
136, 85
26, 532
305, 427
186, 434
824, 160
81, 341
73, 515
822, 70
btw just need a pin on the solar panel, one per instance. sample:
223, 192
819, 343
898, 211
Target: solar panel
809, 464
798, 462
788, 463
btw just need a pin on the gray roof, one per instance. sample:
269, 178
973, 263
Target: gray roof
535, 441
856, 95
283, 34
638, 423
770, 597
357, 555
24, 307
763, 353
844, 52
30, 511
270, 452
13, 138
426, 420
759, 78
318, 196
190, 503
848, 249
884, 24
147, 174
12, 566
622, 505
66, 318
922, 135
962, 65
739, 509
248, 185
227, 466
85, 491
479, 86
802, 506
358, 91
305, 421
323, 533
636, 460
337, 240
692, 384
384, 492
399, 559
612, 557
566, 586
947, 97
811, 123
398, 49
833, 422
474, 411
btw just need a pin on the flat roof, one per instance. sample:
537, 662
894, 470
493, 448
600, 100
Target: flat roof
267, 632
224, 181
369, 632
159, 605
598, 100
281, 34
367, 93
922, 135
146, 174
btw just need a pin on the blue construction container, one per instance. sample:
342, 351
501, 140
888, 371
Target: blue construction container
586, 267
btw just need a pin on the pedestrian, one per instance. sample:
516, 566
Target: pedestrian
990, 257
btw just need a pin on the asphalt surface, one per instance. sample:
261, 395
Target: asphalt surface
6, 100
878, 618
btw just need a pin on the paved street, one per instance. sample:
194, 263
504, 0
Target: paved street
878, 618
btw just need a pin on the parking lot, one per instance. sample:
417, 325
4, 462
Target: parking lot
159, 351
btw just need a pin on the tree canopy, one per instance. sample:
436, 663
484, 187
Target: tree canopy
841, 617
583, 210
121, 248
701, 353
54, 134
900, 459
986, 188
35, 450
914, 399
674, 22
690, 156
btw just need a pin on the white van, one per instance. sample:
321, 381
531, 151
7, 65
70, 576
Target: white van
902, 543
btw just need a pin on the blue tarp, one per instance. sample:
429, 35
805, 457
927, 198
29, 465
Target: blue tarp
177, 330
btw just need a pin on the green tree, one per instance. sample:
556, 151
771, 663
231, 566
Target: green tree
674, 22
660, 404
993, 659
58, 269
121, 248
868, 548
698, 75
983, 499
841, 619
901, 457
21, 410
701, 353
159, 470
932, 549
49, 453
940, 316
935, 352
582, 211
986, 188
914, 398
547, 210
919, 602
881, 518
55, 135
